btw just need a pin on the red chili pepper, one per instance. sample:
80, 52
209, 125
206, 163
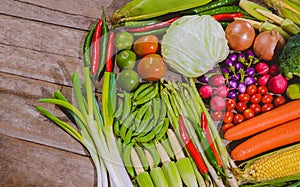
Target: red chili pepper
205, 128
191, 148
96, 48
227, 17
154, 26
110, 52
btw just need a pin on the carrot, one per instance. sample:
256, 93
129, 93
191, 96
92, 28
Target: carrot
276, 137
272, 118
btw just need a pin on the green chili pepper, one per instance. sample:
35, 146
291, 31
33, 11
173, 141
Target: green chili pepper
87, 44
207, 150
222, 10
157, 32
209, 6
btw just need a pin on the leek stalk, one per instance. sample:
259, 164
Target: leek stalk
95, 133
286, 9
286, 24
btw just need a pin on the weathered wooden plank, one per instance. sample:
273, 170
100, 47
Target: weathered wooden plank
19, 118
89, 8
25, 163
38, 65
43, 14
41, 37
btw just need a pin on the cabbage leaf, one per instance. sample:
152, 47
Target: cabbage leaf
194, 44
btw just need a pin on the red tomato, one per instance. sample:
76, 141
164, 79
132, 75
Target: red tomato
255, 98
279, 100
251, 89
266, 107
238, 118
151, 67
255, 107
241, 106
244, 97
217, 115
230, 104
249, 113
226, 126
146, 45
228, 117
262, 90
267, 98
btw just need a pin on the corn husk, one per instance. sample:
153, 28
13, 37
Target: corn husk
146, 9
286, 9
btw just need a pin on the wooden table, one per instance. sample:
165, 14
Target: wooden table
40, 47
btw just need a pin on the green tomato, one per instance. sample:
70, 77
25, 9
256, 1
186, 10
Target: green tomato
293, 91
126, 59
128, 80
123, 40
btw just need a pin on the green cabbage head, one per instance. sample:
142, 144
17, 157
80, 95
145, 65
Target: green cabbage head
194, 44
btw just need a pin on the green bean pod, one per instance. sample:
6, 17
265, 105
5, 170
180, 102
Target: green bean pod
127, 159
166, 145
128, 136
116, 127
144, 122
146, 138
154, 153
141, 112
120, 109
162, 132
127, 124
142, 87
140, 93
142, 156
127, 106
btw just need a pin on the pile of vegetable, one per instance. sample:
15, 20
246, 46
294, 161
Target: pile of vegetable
198, 93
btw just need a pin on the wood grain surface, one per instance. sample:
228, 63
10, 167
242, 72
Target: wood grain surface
40, 47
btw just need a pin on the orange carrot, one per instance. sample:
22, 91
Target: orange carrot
272, 118
276, 137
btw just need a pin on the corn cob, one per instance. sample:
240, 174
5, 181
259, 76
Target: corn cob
275, 165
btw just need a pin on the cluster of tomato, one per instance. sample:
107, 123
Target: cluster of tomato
256, 100
138, 59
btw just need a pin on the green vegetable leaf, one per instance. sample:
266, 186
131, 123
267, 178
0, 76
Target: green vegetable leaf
193, 45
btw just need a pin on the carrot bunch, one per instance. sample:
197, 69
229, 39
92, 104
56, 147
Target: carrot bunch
270, 130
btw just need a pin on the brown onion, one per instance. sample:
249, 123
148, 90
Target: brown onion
268, 45
240, 35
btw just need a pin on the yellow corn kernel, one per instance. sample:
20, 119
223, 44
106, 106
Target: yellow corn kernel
280, 164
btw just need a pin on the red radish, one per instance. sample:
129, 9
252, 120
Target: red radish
277, 84
205, 91
274, 69
263, 80
262, 68
217, 103
221, 91
216, 80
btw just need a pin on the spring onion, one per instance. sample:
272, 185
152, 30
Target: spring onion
94, 132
